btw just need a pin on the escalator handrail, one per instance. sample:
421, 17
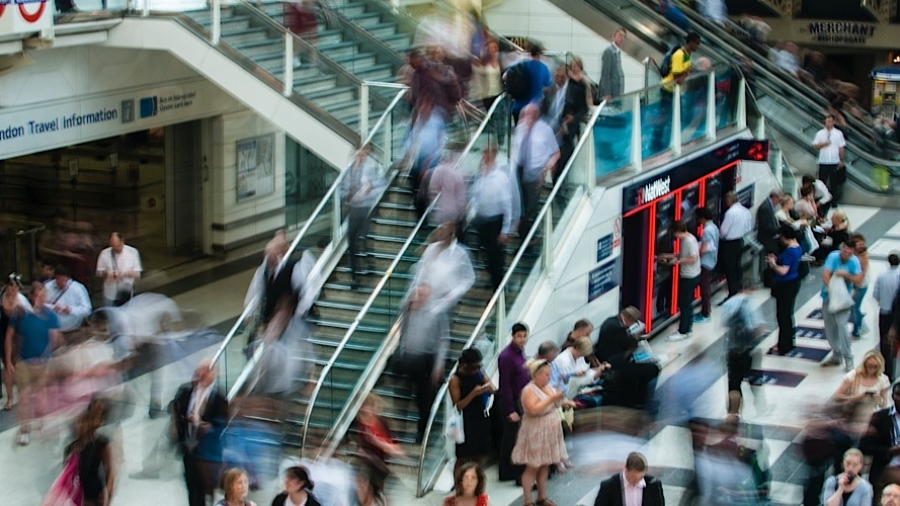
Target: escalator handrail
309, 221
310, 406
485, 316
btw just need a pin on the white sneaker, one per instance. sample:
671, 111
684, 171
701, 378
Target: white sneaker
678, 336
23, 439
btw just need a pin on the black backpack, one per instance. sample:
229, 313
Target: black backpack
518, 81
665, 66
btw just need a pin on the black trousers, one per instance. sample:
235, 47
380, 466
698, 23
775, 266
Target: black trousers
887, 350
686, 287
357, 230
195, 481
531, 192
833, 177
494, 253
509, 471
420, 375
785, 297
730, 253
739, 364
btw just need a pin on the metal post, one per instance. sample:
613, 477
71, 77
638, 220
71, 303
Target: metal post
501, 322
590, 163
388, 131
742, 104
364, 111
675, 143
216, 21
288, 64
336, 231
637, 141
145, 10
711, 123
760, 132
547, 240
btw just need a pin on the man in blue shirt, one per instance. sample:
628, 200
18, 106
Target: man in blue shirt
709, 253
36, 333
539, 75
841, 263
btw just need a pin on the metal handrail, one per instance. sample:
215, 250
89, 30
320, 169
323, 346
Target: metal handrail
362, 313
309, 221
506, 277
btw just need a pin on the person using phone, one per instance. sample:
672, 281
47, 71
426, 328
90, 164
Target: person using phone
848, 488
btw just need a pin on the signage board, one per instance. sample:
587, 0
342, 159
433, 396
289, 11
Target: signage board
604, 247
603, 279
25, 16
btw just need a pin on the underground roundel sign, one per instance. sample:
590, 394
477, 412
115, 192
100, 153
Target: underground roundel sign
23, 16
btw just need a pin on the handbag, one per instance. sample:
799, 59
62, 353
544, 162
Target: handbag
839, 298
66, 490
455, 430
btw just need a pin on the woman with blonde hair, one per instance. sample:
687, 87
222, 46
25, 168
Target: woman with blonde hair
837, 234
866, 383
540, 440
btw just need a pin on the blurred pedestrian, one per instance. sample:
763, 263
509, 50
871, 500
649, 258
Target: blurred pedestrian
277, 277
448, 187
848, 488
767, 230
842, 263
632, 487
715, 10
423, 147
199, 415
14, 303
612, 77
471, 391
633, 383
885, 291
821, 195
890, 496
443, 275
526, 80
493, 204
679, 68
867, 384
745, 324
120, 266
539, 443
469, 484
376, 441
880, 442
536, 153
298, 487
359, 189
513, 378
235, 485
300, 19
68, 298
97, 468
860, 289
33, 335
709, 251
786, 286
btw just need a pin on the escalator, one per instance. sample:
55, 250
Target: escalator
787, 105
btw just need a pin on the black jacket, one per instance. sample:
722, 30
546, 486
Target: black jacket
215, 413
614, 344
281, 499
767, 226
611, 492
877, 441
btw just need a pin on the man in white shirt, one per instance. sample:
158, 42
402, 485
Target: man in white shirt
830, 143
68, 298
360, 190
688, 263
536, 152
632, 487
736, 223
119, 265
492, 200
885, 291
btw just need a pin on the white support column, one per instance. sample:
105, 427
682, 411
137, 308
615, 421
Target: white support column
675, 141
742, 104
590, 162
288, 64
145, 9
760, 132
711, 108
388, 131
363, 111
216, 22
546, 242
499, 342
637, 141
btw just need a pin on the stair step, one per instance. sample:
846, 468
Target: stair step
338, 49
365, 19
333, 96
317, 83
261, 48
379, 29
359, 61
241, 38
351, 9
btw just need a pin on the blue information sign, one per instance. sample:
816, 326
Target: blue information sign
604, 247
602, 279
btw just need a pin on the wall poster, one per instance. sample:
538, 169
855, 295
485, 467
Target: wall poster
255, 167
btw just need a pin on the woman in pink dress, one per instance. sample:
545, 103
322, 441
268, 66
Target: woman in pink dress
540, 440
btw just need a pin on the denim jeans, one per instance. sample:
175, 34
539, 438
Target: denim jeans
858, 295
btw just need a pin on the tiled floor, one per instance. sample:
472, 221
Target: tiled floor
780, 415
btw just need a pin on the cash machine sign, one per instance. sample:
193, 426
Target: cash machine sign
653, 190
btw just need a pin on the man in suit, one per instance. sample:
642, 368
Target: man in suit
631, 487
612, 78
882, 444
199, 414
766, 229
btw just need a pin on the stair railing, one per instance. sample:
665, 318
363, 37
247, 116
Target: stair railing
336, 224
331, 442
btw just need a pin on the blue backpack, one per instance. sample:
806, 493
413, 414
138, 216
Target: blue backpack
665, 66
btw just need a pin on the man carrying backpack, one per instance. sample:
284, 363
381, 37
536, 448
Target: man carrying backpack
675, 67
526, 80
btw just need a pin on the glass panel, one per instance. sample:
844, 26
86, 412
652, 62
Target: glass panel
656, 121
727, 84
613, 134
571, 187
694, 100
